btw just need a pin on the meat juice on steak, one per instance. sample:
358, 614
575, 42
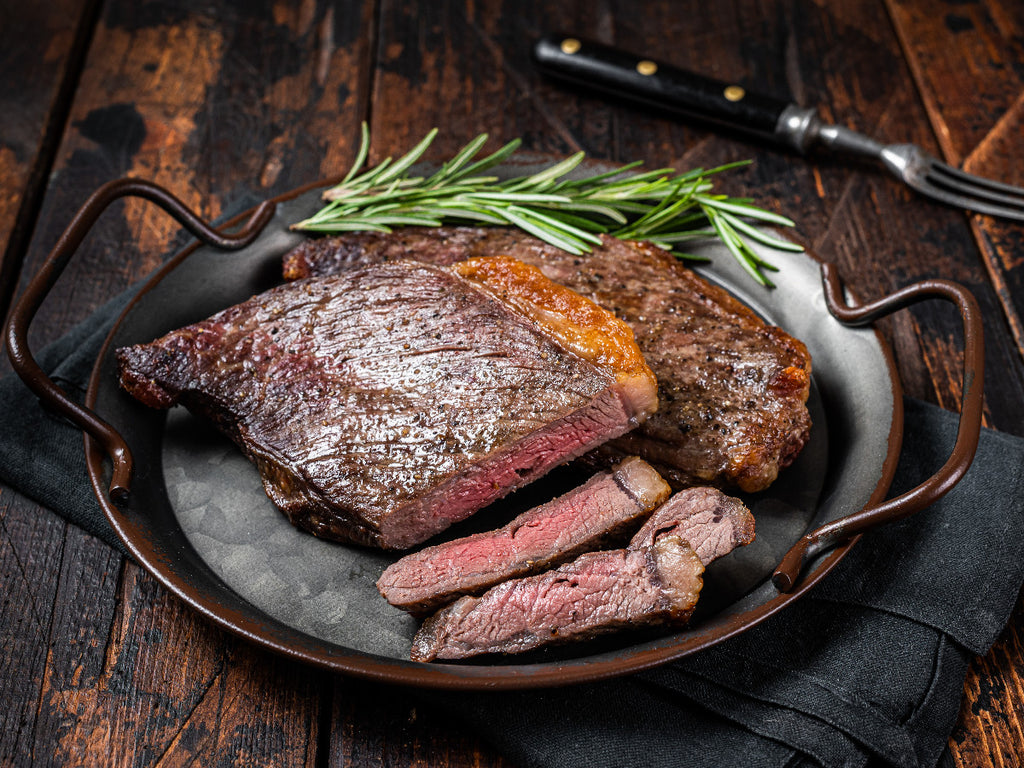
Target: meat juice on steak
383, 404
655, 580
732, 389
604, 510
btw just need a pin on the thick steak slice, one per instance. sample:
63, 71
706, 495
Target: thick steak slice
566, 603
385, 403
603, 510
733, 389
709, 521
596, 593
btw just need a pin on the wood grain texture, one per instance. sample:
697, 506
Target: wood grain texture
145, 681
228, 102
39, 46
225, 105
991, 726
974, 94
31, 553
389, 725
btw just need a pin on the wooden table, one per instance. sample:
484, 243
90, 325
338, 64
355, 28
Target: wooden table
221, 101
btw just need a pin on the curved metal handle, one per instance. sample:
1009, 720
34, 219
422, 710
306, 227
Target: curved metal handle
27, 306
968, 431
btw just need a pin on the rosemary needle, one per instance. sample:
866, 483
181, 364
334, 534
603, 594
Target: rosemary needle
660, 206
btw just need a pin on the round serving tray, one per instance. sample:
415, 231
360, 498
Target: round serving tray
197, 518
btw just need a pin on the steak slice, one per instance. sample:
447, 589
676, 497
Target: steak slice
709, 521
597, 593
733, 389
603, 510
566, 603
385, 403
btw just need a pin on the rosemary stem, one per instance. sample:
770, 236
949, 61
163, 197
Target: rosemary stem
560, 204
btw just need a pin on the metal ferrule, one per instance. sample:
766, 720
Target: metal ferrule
798, 127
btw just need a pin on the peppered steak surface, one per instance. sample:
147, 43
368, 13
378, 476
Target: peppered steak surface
384, 403
732, 389
607, 508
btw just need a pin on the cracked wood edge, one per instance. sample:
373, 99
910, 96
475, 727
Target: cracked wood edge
974, 95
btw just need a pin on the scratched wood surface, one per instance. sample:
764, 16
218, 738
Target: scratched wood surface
229, 102
39, 47
968, 65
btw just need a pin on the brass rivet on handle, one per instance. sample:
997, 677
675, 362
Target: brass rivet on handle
646, 67
570, 45
734, 92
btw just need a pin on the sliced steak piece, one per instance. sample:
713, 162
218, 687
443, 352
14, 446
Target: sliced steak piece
566, 603
733, 389
594, 516
385, 403
711, 522
597, 593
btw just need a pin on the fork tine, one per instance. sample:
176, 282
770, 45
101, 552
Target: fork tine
973, 192
972, 204
980, 181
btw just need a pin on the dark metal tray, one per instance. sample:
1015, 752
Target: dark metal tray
197, 519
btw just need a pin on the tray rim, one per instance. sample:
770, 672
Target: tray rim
259, 628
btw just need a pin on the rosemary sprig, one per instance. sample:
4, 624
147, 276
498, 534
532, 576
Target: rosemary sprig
661, 206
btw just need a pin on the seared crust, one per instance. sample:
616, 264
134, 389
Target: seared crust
732, 389
383, 404
580, 325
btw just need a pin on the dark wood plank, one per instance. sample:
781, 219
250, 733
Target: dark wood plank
224, 104
40, 47
990, 730
139, 678
31, 553
376, 724
968, 61
466, 69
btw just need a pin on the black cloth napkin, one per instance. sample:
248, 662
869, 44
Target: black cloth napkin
868, 668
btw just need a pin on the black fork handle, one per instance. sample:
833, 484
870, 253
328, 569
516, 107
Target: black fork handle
667, 88
26, 307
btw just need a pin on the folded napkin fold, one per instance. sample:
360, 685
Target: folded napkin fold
868, 667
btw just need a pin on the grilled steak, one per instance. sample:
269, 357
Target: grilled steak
597, 593
732, 389
607, 507
385, 403
709, 521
